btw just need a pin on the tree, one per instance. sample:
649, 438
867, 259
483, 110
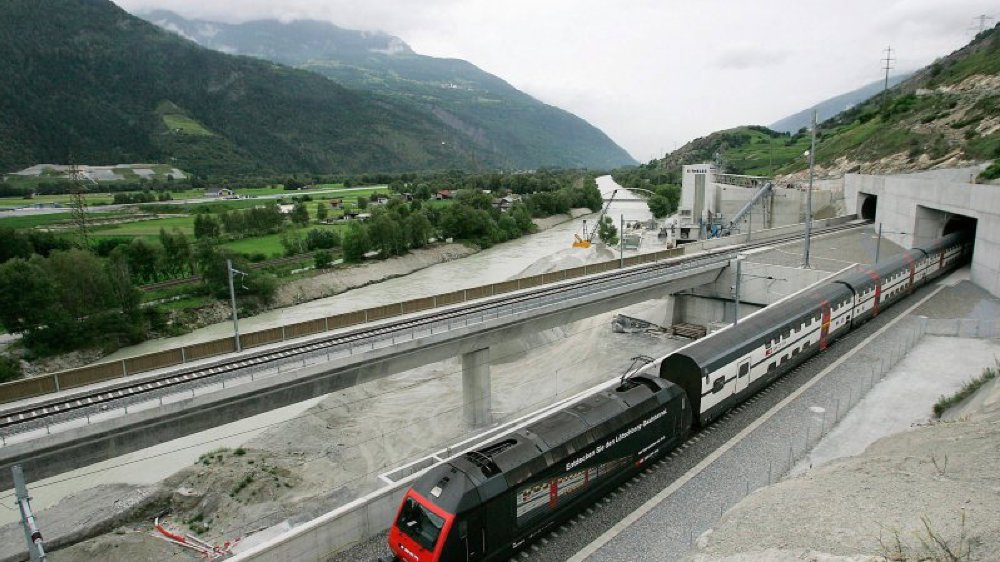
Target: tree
509, 227
420, 230
293, 242
144, 260
27, 294
665, 200
83, 285
13, 244
320, 239
355, 242
522, 216
659, 206
206, 226
123, 292
176, 252
300, 214
386, 236
322, 211
607, 231
362, 203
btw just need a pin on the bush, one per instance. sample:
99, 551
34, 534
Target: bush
991, 173
318, 239
322, 259
10, 369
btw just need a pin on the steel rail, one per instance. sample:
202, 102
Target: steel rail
483, 308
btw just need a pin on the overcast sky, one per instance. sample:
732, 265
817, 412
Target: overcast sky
652, 74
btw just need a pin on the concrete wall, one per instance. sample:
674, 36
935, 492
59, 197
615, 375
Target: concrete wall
732, 198
714, 302
914, 210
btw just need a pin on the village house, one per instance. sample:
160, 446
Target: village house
219, 192
505, 203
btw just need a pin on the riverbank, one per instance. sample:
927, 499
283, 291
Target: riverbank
306, 294
351, 277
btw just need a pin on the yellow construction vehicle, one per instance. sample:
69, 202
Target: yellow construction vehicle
587, 240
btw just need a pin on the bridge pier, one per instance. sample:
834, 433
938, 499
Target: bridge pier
476, 399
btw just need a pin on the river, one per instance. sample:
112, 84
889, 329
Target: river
489, 266
492, 265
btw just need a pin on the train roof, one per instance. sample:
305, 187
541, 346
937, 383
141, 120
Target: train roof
727, 345
944, 241
515, 457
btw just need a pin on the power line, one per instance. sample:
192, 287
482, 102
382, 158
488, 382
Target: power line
887, 66
981, 27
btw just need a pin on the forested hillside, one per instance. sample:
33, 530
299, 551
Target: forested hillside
85, 81
492, 116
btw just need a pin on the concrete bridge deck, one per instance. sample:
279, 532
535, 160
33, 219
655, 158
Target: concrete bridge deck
351, 359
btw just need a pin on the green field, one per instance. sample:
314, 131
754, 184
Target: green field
90, 199
34, 219
270, 244
146, 228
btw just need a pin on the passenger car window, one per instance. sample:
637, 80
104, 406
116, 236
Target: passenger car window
720, 383
744, 369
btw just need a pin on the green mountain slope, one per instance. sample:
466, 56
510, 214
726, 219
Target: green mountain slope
490, 114
830, 107
947, 114
84, 80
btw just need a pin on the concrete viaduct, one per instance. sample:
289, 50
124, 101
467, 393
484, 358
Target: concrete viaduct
469, 338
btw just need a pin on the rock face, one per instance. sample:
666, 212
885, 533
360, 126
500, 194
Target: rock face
928, 494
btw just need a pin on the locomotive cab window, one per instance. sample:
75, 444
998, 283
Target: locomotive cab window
419, 523
744, 369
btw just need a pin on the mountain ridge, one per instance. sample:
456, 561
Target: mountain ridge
832, 106
85, 82
492, 114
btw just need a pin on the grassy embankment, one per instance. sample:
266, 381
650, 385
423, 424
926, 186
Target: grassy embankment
967, 390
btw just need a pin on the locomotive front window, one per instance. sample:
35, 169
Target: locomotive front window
419, 523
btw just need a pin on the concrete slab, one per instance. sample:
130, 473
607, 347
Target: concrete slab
937, 366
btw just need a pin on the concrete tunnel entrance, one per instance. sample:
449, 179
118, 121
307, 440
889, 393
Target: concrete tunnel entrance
959, 223
932, 223
869, 204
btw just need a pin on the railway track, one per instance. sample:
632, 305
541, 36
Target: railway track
565, 540
41, 414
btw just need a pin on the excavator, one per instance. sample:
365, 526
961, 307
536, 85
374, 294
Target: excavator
587, 240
